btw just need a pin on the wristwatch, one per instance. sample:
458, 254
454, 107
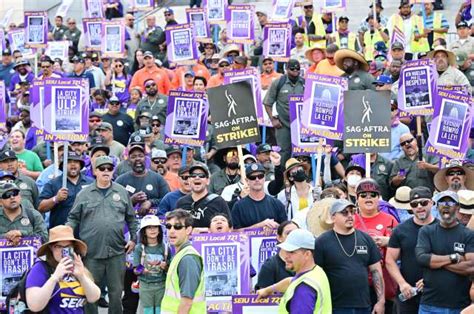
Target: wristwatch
454, 258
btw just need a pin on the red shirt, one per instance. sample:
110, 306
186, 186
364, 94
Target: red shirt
381, 224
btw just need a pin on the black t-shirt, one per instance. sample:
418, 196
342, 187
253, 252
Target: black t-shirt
404, 237
443, 288
203, 210
122, 125
272, 271
348, 276
248, 212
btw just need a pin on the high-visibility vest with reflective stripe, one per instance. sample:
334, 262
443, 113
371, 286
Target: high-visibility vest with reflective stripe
316, 279
369, 43
351, 40
437, 23
172, 297
319, 30
416, 27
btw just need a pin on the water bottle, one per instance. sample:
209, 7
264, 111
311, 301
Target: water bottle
414, 292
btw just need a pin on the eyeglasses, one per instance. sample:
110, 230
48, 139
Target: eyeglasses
95, 120
185, 178
294, 69
447, 204
347, 211
105, 168
176, 227
407, 142
255, 177
455, 173
365, 194
155, 125
198, 175
159, 161
10, 194
423, 203
119, 66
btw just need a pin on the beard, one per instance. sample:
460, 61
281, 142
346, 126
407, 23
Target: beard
138, 167
455, 186
233, 165
152, 92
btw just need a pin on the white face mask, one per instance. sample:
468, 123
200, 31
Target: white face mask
353, 179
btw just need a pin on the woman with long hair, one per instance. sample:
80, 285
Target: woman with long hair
135, 97
137, 61
118, 82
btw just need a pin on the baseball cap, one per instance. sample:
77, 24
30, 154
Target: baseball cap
376, 66
114, 99
249, 156
341, 18
339, 205
256, 167
397, 45
136, 146
420, 192
189, 73
298, 239
199, 165
293, 63
147, 54
95, 113
103, 160
105, 126
263, 148
6, 52
172, 149
383, 79
8, 186
403, 3
78, 59
97, 143
6, 174
241, 60
462, 24
21, 62
8, 154
168, 10
223, 60
267, 59
182, 170
451, 194
378, 3
158, 153
367, 185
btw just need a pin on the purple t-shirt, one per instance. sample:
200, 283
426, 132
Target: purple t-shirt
68, 297
306, 293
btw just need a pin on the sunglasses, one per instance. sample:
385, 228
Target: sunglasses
198, 175
149, 85
308, 7
423, 203
168, 14
223, 65
45, 66
347, 211
155, 124
159, 161
455, 173
119, 66
105, 168
10, 194
185, 178
114, 103
294, 69
447, 204
255, 177
94, 120
365, 194
176, 227
407, 142
393, 108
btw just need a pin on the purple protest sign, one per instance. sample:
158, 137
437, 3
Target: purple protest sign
333, 6
57, 50
449, 131
323, 105
141, 5
113, 41
186, 120
226, 265
3, 105
281, 10
240, 23
215, 11
16, 37
455, 88
304, 141
93, 8
181, 44
36, 107
277, 41
243, 304
263, 245
93, 33
417, 87
197, 17
36, 29
66, 109
14, 261
252, 76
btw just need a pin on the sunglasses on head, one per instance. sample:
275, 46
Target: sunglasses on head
176, 227
105, 168
10, 194
198, 175
348, 211
257, 176
455, 173
423, 203
365, 194
407, 142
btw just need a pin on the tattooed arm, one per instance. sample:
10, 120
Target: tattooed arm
377, 280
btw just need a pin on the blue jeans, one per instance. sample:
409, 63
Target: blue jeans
344, 310
429, 309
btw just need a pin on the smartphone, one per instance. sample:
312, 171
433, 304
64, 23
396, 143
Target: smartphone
67, 252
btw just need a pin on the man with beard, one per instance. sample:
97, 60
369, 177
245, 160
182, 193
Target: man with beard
454, 177
22, 74
47, 68
401, 247
445, 250
146, 188
346, 251
26, 127
445, 62
263, 157
408, 170
355, 68
59, 200
168, 203
228, 160
155, 103
122, 122
158, 161
151, 72
59, 28
200, 203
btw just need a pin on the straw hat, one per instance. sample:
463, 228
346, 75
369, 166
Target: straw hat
466, 202
401, 200
341, 54
451, 55
292, 163
440, 176
318, 218
230, 48
62, 233
309, 52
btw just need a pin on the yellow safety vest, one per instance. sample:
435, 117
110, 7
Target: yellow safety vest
416, 24
351, 40
369, 42
172, 297
437, 23
316, 279
319, 31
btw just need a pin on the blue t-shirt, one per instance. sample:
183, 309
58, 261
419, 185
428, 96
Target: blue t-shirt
248, 212
168, 203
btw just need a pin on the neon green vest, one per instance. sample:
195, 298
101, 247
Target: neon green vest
319, 31
172, 297
369, 42
437, 22
416, 24
351, 40
316, 279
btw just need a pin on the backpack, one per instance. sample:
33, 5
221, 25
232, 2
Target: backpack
16, 297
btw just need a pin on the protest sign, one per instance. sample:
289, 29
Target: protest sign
417, 87
449, 131
57, 50
181, 44
248, 304
113, 41
324, 104
64, 8
252, 76
367, 126
304, 141
6, 18
3, 44
197, 17
240, 23
281, 10
333, 6
93, 33
3, 105
16, 37
226, 266
14, 261
186, 120
215, 11
277, 41
455, 88
36, 29
93, 8
263, 245
233, 114
142, 5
